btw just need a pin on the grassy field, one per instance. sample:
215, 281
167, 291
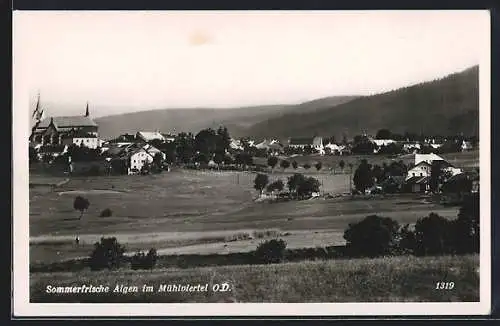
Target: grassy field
395, 279
197, 212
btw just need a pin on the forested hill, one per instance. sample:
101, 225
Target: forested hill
446, 106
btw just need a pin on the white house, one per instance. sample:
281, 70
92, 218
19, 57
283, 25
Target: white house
422, 169
148, 136
235, 144
90, 142
334, 148
137, 159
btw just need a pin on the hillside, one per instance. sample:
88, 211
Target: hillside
445, 106
238, 120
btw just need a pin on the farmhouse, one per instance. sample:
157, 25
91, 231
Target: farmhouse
422, 169
66, 130
314, 142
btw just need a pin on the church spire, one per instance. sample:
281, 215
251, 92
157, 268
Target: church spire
87, 110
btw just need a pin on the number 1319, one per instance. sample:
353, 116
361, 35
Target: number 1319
445, 285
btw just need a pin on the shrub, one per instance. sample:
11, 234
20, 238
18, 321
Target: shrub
295, 164
106, 213
307, 166
373, 236
108, 253
144, 261
270, 252
434, 235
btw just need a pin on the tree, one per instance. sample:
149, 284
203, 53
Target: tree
260, 182
81, 204
243, 158
433, 235
284, 164
363, 177
467, 225
295, 165
307, 166
436, 175
201, 158
108, 253
223, 139
307, 186
33, 156
318, 166
276, 186
383, 134
158, 161
185, 147
294, 181
342, 165
373, 236
378, 173
272, 161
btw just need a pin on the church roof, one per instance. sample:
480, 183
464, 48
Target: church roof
68, 121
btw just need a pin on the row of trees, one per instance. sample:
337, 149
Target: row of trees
273, 161
432, 235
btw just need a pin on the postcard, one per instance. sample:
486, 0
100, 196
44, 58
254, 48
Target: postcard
257, 163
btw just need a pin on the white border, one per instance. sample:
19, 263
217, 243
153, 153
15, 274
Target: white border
20, 223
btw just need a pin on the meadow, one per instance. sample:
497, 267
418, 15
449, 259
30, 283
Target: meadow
392, 279
185, 212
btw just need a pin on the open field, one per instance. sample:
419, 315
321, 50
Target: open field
395, 279
197, 212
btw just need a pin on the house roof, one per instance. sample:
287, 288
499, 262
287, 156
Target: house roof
427, 157
418, 180
67, 122
150, 135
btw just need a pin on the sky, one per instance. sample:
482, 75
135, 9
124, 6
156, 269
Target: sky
131, 61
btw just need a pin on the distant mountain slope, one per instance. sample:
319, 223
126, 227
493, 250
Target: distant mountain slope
445, 106
193, 120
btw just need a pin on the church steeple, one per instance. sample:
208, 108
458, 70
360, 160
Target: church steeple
87, 110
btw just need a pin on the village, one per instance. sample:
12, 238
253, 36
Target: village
410, 163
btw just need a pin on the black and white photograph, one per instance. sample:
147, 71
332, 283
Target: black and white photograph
183, 162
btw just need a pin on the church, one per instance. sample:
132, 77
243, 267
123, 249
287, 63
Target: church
65, 130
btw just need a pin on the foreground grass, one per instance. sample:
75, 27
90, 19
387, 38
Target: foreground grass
394, 279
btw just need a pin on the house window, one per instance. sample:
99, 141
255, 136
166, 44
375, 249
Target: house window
421, 174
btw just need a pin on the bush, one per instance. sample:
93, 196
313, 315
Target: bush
144, 261
270, 252
108, 253
434, 235
106, 213
373, 236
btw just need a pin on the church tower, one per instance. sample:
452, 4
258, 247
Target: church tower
87, 110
